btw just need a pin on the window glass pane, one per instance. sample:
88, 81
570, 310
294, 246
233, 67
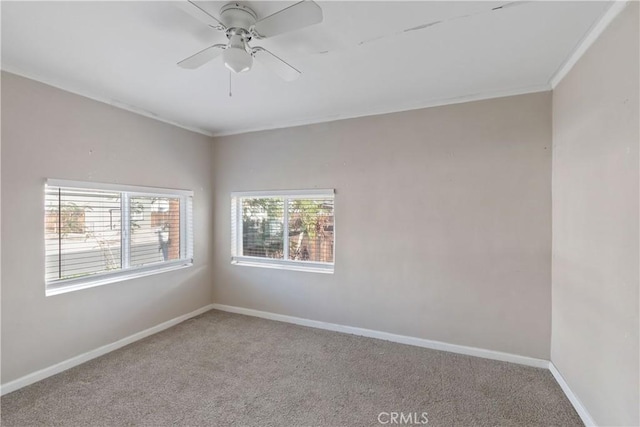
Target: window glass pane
82, 232
155, 230
311, 230
263, 227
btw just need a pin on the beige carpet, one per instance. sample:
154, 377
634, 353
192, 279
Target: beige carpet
222, 369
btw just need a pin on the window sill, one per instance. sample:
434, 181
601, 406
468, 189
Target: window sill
309, 267
71, 285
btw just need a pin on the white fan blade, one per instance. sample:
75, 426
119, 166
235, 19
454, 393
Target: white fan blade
199, 13
202, 57
285, 71
292, 18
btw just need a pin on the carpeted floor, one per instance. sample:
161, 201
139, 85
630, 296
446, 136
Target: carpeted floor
222, 369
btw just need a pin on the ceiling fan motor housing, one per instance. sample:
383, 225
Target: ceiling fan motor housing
237, 16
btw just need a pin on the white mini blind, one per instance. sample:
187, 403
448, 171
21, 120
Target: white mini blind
311, 229
154, 230
263, 227
98, 232
288, 229
82, 232
188, 242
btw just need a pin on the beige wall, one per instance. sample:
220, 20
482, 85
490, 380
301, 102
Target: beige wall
595, 225
48, 133
443, 222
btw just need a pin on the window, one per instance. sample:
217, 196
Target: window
288, 229
101, 233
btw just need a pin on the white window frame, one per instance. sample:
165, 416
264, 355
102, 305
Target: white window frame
285, 264
55, 287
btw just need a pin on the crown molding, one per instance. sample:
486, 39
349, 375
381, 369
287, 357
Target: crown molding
590, 37
395, 109
104, 100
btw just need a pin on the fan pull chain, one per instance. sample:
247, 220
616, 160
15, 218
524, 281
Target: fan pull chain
230, 95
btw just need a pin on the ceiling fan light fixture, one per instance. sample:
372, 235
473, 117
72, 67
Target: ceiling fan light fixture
236, 58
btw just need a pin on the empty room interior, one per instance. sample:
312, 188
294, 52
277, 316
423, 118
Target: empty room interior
281, 213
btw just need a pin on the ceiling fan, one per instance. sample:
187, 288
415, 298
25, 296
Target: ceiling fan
241, 24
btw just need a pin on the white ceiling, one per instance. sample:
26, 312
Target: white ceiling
125, 53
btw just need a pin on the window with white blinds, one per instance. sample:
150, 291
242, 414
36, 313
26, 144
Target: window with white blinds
287, 229
101, 233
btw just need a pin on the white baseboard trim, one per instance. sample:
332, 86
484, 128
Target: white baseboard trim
402, 339
85, 357
577, 404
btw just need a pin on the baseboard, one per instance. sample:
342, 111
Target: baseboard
85, 357
421, 342
402, 339
577, 404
